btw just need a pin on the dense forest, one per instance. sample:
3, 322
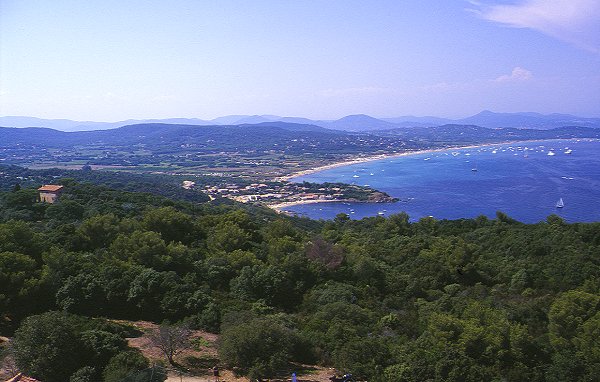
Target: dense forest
383, 298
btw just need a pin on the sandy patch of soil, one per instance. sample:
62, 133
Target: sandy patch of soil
198, 362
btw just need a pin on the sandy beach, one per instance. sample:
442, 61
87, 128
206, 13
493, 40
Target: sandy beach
280, 207
381, 157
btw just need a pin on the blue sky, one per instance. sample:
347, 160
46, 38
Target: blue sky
113, 60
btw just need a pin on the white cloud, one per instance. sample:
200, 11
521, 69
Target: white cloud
574, 21
517, 74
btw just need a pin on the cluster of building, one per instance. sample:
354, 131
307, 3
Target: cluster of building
279, 192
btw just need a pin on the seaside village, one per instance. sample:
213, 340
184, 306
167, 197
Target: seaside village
282, 192
272, 194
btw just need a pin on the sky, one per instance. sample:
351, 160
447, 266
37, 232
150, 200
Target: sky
113, 60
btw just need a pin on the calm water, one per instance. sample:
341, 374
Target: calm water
520, 179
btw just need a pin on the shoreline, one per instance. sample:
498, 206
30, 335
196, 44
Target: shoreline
280, 207
372, 158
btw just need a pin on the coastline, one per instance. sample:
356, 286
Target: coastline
384, 156
280, 207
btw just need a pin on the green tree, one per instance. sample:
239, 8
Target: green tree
85, 374
101, 345
19, 278
47, 347
82, 294
22, 199
260, 346
173, 226
227, 237
98, 231
65, 210
142, 247
567, 315
123, 365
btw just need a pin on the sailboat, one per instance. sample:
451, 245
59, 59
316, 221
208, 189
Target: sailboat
560, 203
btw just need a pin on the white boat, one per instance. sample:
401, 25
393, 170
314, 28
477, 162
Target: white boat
569, 151
551, 153
355, 176
560, 203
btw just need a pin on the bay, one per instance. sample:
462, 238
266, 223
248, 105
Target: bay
523, 179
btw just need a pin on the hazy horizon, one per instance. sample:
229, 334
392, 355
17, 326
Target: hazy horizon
114, 61
278, 118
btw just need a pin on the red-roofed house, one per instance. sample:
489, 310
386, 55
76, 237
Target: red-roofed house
22, 378
49, 193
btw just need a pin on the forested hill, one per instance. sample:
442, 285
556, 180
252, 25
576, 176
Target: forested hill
163, 133
383, 298
264, 135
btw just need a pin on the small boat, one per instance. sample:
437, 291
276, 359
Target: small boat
560, 203
355, 176
381, 213
551, 153
568, 151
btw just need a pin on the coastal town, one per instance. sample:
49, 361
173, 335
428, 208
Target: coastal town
282, 193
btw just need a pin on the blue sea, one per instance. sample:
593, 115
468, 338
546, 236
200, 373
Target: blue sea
525, 180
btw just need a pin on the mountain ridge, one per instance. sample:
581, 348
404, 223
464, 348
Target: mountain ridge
354, 122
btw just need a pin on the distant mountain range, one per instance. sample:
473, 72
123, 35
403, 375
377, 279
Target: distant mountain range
245, 136
359, 122
270, 135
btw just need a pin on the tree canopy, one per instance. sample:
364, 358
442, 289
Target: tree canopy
386, 299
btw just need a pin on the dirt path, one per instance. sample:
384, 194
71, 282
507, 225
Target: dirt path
199, 361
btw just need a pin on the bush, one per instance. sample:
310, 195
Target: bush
123, 365
47, 347
85, 374
259, 347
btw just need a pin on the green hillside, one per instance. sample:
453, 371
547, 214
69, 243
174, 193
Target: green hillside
382, 298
